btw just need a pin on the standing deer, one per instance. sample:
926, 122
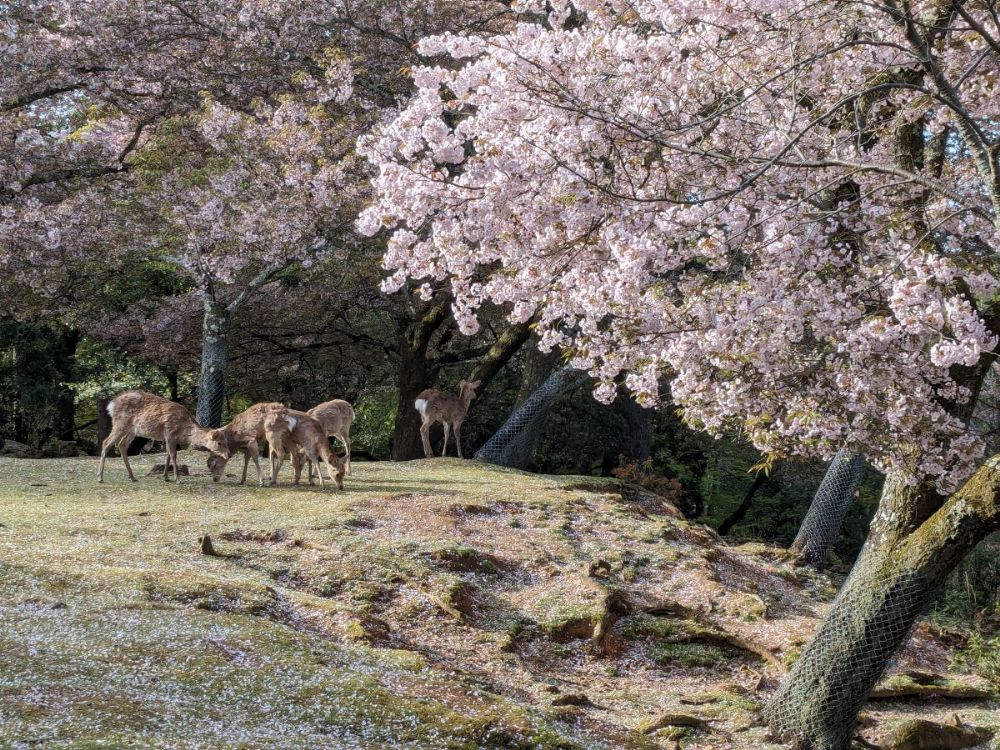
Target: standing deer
336, 416
242, 434
289, 430
137, 413
437, 406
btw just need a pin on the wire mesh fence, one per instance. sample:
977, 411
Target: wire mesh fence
512, 445
211, 399
829, 507
870, 619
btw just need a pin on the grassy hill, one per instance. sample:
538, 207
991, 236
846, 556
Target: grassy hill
432, 604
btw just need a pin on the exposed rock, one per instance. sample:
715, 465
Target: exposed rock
572, 699
61, 449
671, 720
616, 606
922, 685
572, 628
458, 601
368, 629
14, 449
921, 734
649, 501
467, 560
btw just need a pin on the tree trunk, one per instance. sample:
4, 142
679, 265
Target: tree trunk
892, 581
513, 444
214, 363
538, 365
740, 513
503, 349
414, 376
639, 423
829, 507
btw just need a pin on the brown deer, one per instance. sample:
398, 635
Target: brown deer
289, 430
336, 416
437, 406
137, 413
242, 434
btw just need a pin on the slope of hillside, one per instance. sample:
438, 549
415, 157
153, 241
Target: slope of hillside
432, 604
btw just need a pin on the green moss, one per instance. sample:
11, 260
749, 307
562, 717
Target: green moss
686, 654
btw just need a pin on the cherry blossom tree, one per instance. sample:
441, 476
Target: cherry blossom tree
215, 138
784, 211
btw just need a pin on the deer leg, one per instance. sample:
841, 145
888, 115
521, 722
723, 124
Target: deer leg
447, 431
171, 447
123, 444
345, 438
276, 455
254, 452
458, 438
425, 437
246, 463
297, 460
280, 461
110, 440
309, 466
314, 459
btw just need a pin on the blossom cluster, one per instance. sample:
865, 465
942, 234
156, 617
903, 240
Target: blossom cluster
715, 196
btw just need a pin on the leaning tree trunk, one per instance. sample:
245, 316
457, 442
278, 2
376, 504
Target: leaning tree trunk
214, 363
498, 355
829, 507
744, 507
903, 562
513, 444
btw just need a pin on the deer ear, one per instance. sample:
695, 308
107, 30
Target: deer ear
476, 384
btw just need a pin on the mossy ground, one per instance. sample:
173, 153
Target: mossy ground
432, 604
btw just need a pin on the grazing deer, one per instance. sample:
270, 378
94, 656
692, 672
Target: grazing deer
242, 434
137, 413
289, 430
436, 406
336, 416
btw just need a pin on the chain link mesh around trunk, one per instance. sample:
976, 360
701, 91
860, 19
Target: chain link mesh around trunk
829, 506
512, 445
870, 619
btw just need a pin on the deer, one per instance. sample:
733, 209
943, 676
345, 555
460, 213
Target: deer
449, 410
336, 417
289, 430
242, 434
142, 414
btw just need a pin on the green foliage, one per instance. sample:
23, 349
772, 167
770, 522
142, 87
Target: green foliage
36, 360
973, 588
104, 371
781, 503
982, 656
680, 453
374, 420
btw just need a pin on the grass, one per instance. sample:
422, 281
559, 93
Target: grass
119, 633
432, 604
